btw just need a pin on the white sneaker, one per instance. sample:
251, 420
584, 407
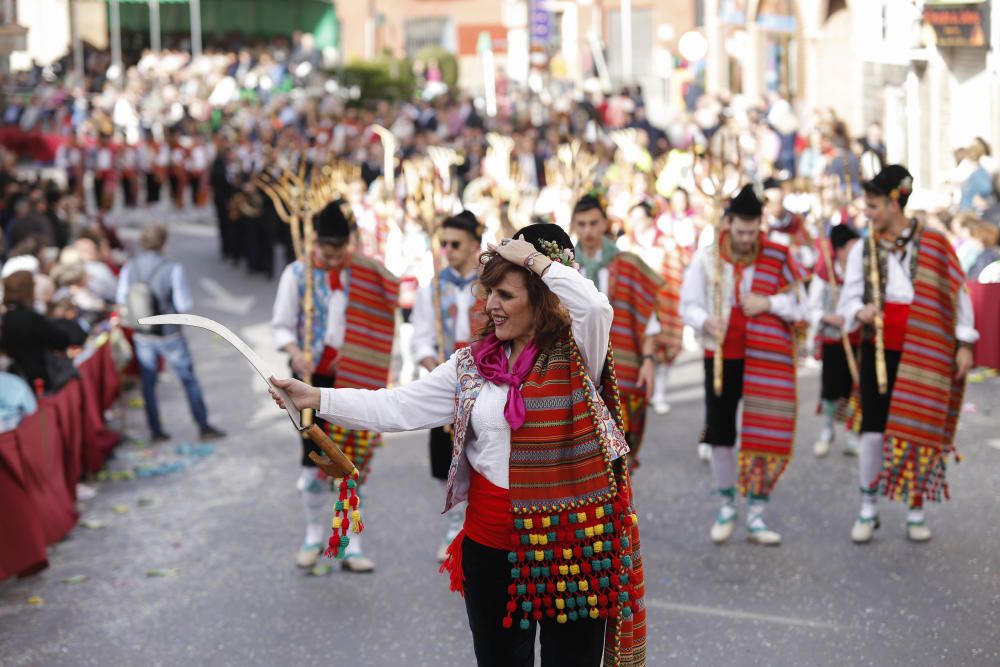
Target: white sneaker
864, 529
358, 564
821, 448
723, 527
704, 452
764, 536
308, 555
660, 406
917, 531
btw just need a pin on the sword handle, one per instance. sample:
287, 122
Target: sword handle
335, 463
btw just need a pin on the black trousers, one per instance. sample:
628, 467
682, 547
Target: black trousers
152, 188
875, 406
836, 381
440, 445
720, 411
487, 575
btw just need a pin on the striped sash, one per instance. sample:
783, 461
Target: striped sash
371, 324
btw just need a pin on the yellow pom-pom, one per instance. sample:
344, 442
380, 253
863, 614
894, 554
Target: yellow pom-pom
533, 539
581, 516
598, 547
567, 553
589, 531
574, 569
594, 613
599, 529
592, 600
561, 618
543, 539
563, 570
336, 522
539, 555
584, 586
599, 512
561, 587
560, 603
528, 524
546, 522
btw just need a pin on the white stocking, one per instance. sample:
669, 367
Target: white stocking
660, 384
317, 501
869, 466
724, 467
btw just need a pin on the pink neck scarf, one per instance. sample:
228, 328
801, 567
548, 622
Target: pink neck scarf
491, 360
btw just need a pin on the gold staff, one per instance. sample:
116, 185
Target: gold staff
876, 285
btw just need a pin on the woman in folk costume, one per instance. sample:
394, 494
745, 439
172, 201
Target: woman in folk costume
353, 321
837, 378
761, 298
905, 286
443, 318
633, 288
551, 538
661, 253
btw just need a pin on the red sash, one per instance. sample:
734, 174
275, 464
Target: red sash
895, 318
487, 519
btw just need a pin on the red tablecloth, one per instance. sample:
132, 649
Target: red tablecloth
986, 305
42, 460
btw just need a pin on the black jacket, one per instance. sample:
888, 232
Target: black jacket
27, 336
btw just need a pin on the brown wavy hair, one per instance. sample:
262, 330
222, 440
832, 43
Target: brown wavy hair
551, 318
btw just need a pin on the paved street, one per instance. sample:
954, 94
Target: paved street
222, 534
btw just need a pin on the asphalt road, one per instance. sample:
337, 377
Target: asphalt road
196, 567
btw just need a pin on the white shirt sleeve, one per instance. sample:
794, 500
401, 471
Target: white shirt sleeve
425, 403
424, 321
965, 326
789, 305
590, 311
853, 291
285, 316
817, 292
694, 310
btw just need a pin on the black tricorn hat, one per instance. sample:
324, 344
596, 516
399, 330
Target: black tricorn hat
466, 221
841, 235
894, 182
549, 239
333, 224
746, 204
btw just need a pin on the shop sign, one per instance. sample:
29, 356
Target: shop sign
958, 24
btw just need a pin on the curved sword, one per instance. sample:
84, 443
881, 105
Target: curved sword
336, 463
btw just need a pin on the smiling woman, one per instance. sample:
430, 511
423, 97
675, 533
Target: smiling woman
538, 453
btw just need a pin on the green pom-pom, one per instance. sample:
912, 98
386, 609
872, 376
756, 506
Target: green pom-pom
522, 589
524, 624
573, 616
519, 524
352, 484
515, 573
571, 587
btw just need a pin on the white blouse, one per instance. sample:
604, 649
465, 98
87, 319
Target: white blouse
430, 401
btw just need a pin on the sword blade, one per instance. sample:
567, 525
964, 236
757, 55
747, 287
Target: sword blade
237, 342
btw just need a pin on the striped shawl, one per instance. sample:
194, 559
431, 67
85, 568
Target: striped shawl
926, 398
769, 389
371, 325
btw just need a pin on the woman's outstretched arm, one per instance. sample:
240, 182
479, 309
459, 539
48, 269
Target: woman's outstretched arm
426, 403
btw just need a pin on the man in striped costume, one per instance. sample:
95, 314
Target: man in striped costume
633, 288
444, 320
743, 294
904, 285
353, 324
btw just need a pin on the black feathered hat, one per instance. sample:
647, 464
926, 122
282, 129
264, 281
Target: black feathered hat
841, 235
550, 240
894, 182
467, 222
334, 223
746, 204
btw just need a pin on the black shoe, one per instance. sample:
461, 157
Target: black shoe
211, 433
160, 437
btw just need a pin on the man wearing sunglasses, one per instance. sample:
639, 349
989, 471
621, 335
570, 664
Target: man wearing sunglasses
444, 320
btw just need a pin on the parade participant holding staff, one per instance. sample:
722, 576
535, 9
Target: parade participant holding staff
632, 287
443, 321
550, 538
905, 286
761, 297
353, 324
837, 381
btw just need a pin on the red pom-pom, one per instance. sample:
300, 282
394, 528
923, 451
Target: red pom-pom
537, 614
550, 612
507, 623
354, 502
603, 612
616, 544
547, 600
525, 572
536, 602
616, 564
602, 600
585, 567
512, 589
511, 606
578, 552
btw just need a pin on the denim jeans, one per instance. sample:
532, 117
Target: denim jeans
174, 350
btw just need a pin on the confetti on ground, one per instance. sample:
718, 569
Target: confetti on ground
969, 408
136, 403
36, 600
134, 461
321, 570
119, 509
76, 579
146, 502
161, 572
93, 523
